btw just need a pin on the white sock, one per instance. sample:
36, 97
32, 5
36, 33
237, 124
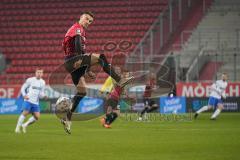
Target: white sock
31, 120
204, 108
20, 120
216, 113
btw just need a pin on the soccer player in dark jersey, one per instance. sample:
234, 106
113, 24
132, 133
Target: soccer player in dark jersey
78, 62
150, 105
112, 102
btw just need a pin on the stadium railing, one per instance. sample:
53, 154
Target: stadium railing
163, 29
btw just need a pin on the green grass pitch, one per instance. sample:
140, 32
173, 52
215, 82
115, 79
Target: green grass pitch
197, 140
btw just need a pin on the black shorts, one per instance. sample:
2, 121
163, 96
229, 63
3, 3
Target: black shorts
76, 74
112, 102
149, 102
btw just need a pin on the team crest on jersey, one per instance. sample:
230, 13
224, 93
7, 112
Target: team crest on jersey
78, 31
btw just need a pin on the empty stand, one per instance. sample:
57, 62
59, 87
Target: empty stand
217, 32
209, 70
32, 30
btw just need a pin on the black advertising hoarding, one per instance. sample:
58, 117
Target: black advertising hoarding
231, 104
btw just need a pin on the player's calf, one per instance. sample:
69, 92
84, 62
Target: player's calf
203, 109
111, 116
217, 112
20, 122
30, 121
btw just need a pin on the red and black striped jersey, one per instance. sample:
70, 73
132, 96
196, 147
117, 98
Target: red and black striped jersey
149, 87
68, 42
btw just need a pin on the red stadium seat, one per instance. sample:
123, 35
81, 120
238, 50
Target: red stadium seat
41, 28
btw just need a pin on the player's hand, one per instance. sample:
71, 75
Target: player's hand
77, 64
91, 75
26, 97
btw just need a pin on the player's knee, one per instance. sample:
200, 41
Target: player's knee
25, 113
94, 58
81, 89
109, 109
36, 117
95, 55
210, 107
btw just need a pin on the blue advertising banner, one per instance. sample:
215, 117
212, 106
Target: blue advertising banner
173, 105
138, 107
10, 106
90, 105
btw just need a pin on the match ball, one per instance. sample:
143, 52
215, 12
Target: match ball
63, 104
